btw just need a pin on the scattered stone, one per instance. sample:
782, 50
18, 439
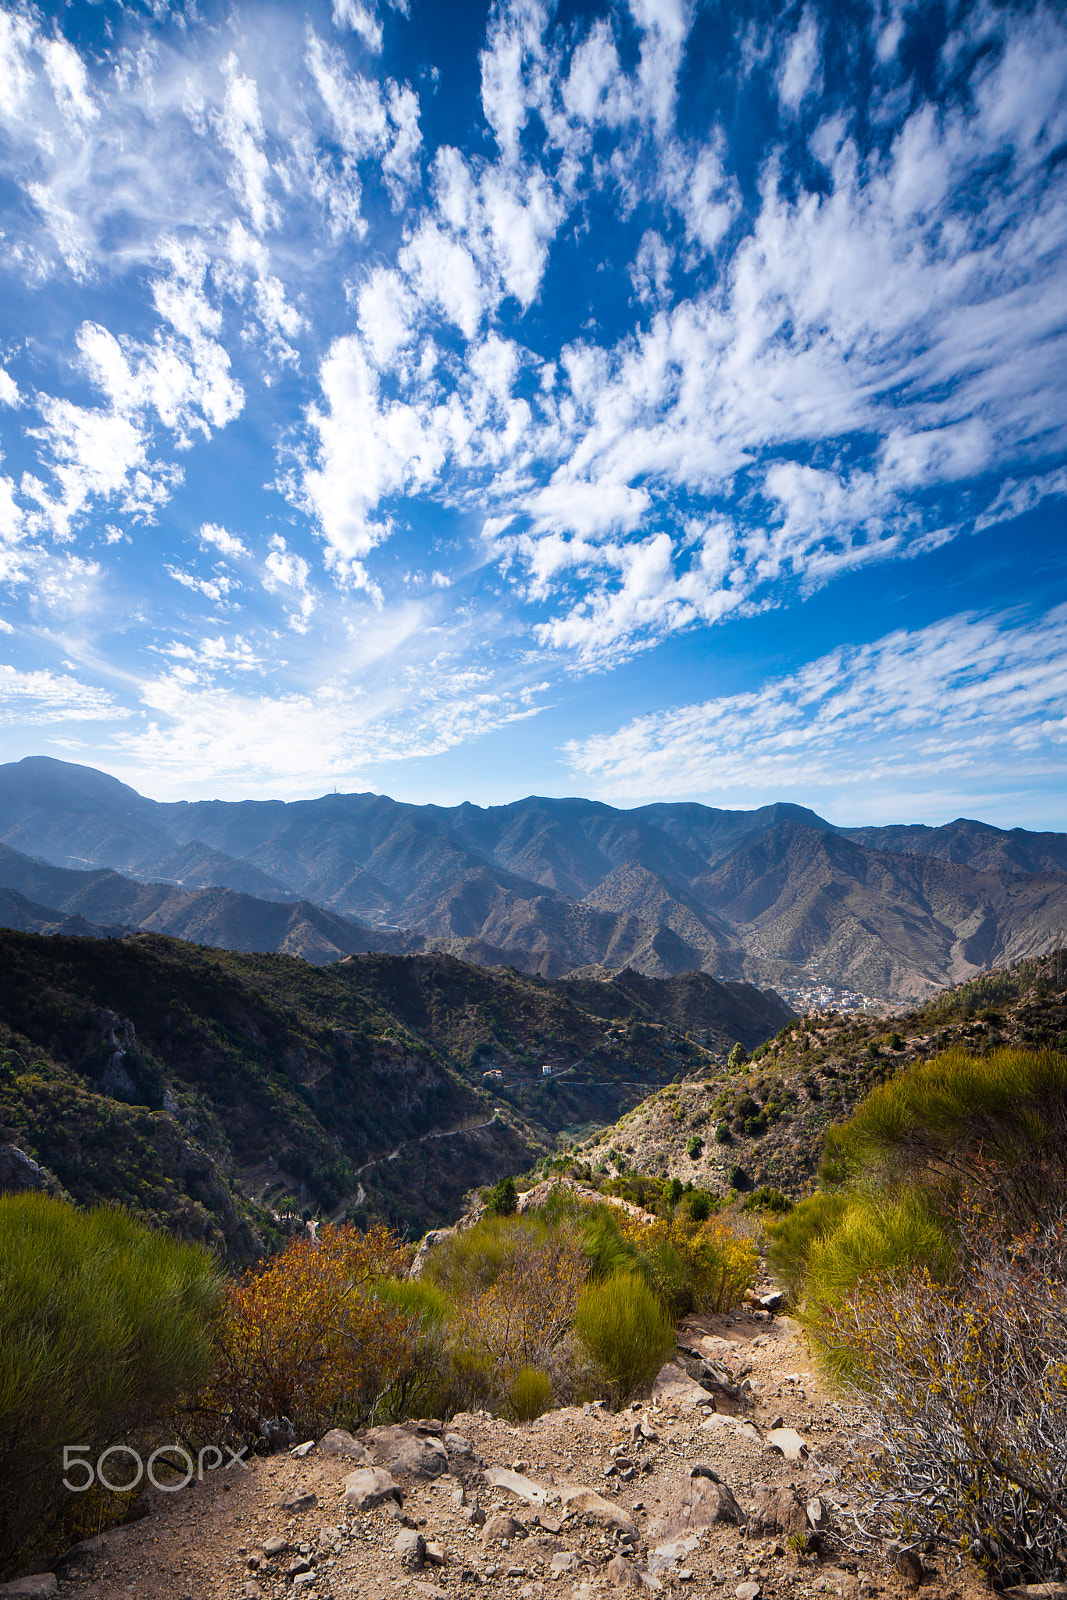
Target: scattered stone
502, 1526
277, 1545
458, 1445
700, 1469
301, 1450
398, 1449
587, 1503
370, 1487
410, 1546
563, 1561
329, 1539
295, 1503
252, 1591
777, 1508
787, 1442
435, 1553
674, 1386
38, 1585
748, 1591
534, 1494
339, 1442
427, 1591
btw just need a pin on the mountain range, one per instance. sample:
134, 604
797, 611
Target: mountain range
775, 896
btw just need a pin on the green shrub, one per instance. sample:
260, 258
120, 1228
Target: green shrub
791, 1239
722, 1133
104, 1327
530, 1395
737, 1177
501, 1200
698, 1205
626, 1331
768, 1198
738, 1055
875, 1235
694, 1147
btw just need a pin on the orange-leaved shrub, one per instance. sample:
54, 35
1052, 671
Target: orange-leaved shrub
304, 1336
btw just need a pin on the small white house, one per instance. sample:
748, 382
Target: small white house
546, 1071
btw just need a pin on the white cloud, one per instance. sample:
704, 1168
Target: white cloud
957, 698
214, 589
9, 390
227, 544
287, 573
36, 699
800, 72
70, 81
240, 129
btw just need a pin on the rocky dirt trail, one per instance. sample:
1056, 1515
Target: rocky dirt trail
694, 1491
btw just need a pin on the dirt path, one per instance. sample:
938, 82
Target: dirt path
206, 1542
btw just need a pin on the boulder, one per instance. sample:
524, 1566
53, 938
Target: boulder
534, 1494
296, 1502
674, 1386
787, 1442
37, 1586
622, 1573
339, 1442
701, 1503
370, 1487
605, 1513
19, 1173
777, 1508
410, 1546
502, 1526
399, 1450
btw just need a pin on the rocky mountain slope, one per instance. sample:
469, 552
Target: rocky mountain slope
763, 1121
211, 1091
775, 895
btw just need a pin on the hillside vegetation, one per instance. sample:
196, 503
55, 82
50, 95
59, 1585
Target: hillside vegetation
211, 1091
763, 1120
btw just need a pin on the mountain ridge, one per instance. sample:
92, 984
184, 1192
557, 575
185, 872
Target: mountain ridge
777, 895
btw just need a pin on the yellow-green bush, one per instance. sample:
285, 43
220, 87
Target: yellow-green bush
627, 1332
790, 1240
104, 1327
530, 1394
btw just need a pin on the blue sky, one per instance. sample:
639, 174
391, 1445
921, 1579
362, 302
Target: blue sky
649, 401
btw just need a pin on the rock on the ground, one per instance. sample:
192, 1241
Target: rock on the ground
36, 1586
399, 1450
502, 1527
787, 1442
534, 1494
777, 1508
298, 1502
339, 1442
410, 1546
673, 1385
587, 1503
369, 1487
700, 1503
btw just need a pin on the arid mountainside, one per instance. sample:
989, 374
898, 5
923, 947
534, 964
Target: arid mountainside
776, 895
211, 1091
